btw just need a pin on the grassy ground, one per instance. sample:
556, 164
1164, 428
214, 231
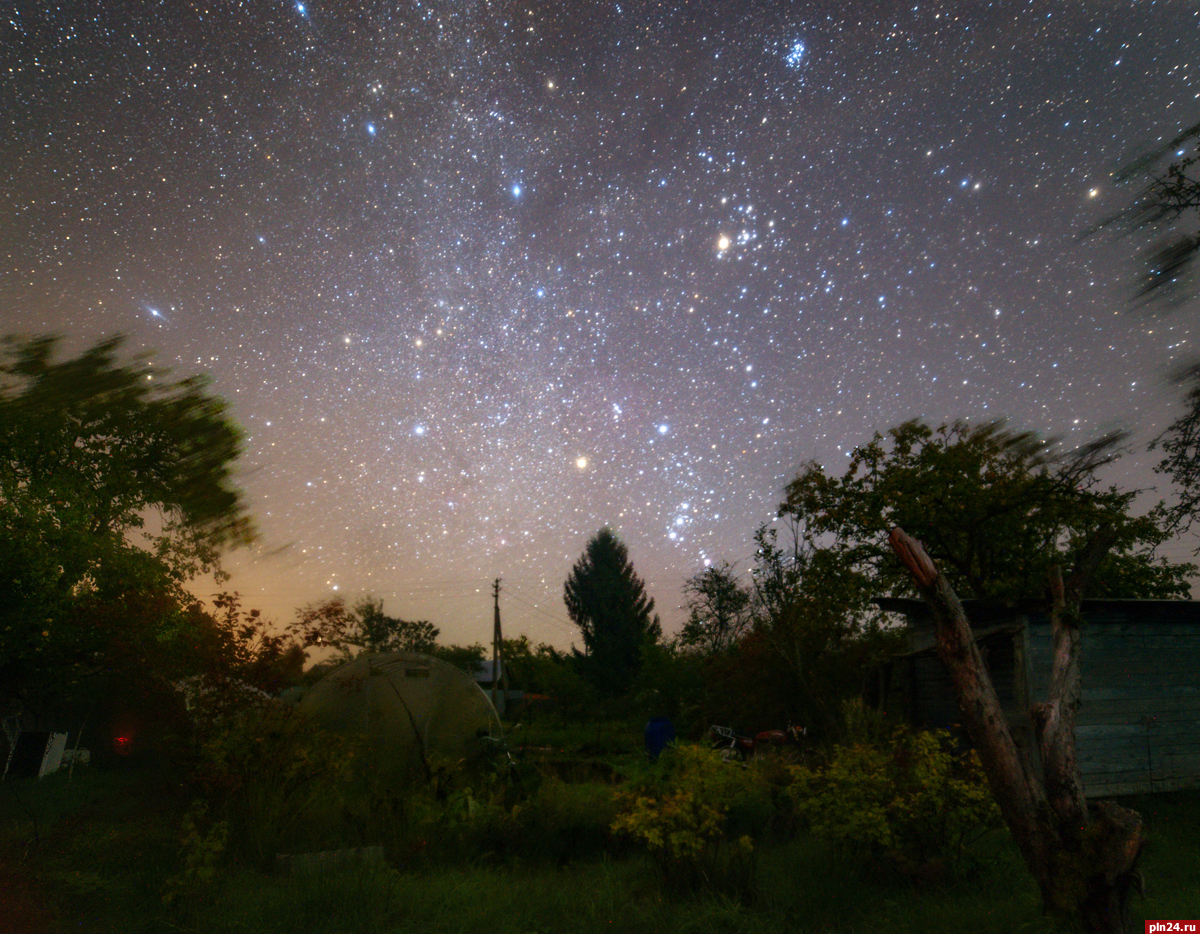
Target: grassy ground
106, 843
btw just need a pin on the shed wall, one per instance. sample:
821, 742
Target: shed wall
1139, 719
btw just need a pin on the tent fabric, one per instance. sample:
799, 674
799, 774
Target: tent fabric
412, 710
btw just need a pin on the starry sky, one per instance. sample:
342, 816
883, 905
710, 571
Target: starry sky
481, 277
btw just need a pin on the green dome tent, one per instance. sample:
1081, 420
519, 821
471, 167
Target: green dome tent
408, 706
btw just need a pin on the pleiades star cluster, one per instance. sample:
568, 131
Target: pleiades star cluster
481, 277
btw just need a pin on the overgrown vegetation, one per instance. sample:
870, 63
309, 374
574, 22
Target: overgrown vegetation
740, 849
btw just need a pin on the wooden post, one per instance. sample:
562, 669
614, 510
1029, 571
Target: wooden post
497, 652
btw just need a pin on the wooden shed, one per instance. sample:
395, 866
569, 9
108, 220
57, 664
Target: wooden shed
1139, 720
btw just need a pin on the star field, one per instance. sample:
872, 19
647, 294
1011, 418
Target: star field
481, 277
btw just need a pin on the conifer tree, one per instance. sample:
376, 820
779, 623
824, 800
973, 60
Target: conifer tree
608, 602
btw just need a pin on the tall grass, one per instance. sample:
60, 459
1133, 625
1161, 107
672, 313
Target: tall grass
107, 842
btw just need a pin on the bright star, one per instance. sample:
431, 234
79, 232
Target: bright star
581, 463
516, 191
723, 243
663, 429
371, 128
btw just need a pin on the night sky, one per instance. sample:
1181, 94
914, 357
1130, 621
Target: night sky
479, 278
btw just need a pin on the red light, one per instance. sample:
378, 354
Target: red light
123, 744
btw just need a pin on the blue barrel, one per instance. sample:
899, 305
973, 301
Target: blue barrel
659, 732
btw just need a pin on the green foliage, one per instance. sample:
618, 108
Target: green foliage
608, 602
468, 658
533, 668
566, 821
378, 632
109, 839
266, 773
695, 815
754, 688
203, 844
115, 482
816, 614
911, 802
669, 684
994, 509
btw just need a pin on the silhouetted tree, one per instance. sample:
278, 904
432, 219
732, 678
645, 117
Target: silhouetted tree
116, 483
719, 610
364, 628
1168, 208
995, 508
608, 602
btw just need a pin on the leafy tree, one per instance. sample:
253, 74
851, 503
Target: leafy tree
995, 508
362, 629
719, 610
815, 610
115, 482
378, 632
607, 601
468, 658
532, 667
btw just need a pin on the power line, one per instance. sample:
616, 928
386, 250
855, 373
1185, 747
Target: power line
565, 626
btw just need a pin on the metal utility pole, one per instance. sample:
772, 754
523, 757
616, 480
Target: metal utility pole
499, 675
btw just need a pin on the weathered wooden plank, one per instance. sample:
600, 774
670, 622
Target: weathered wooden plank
1133, 707
1169, 719
1098, 636
1131, 774
1139, 661
1133, 754
1182, 736
1099, 692
1155, 762
1137, 710
1126, 630
1129, 655
1111, 788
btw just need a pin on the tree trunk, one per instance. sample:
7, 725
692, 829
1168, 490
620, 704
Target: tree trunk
1083, 859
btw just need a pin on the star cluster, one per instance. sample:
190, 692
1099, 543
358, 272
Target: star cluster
480, 277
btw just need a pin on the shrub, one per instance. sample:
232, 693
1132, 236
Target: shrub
566, 821
203, 843
912, 802
267, 773
696, 815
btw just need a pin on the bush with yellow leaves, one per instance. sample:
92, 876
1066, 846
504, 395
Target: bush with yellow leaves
913, 801
696, 816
